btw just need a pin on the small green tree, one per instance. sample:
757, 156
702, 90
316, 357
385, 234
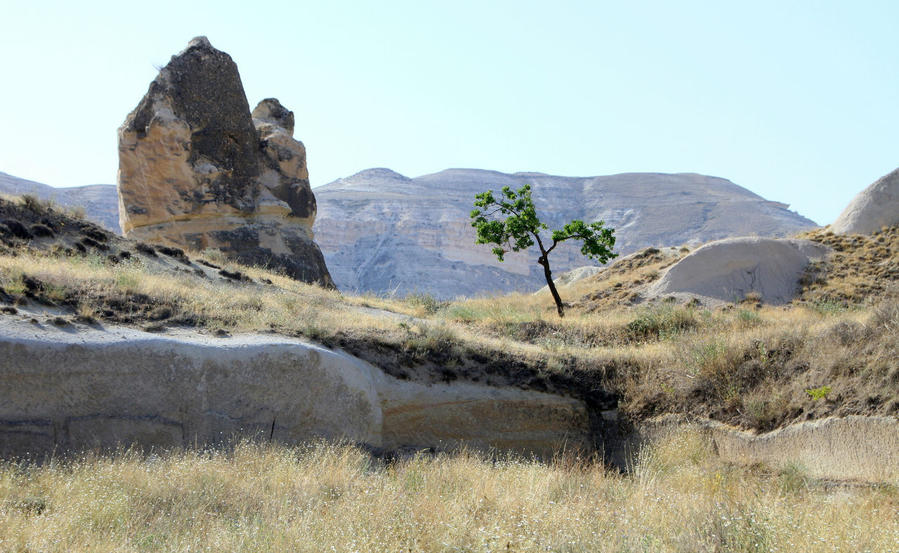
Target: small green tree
512, 224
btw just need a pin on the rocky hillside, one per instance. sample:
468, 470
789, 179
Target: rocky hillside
98, 200
383, 232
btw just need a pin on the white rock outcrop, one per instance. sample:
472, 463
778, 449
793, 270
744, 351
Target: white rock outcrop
873, 208
65, 390
728, 270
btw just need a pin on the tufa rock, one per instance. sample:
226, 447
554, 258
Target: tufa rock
731, 269
71, 390
196, 170
873, 208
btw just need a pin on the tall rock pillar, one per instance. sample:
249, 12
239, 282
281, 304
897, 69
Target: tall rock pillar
198, 170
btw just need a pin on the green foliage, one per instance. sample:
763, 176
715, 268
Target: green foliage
748, 318
517, 230
597, 240
818, 393
825, 307
511, 224
520, 227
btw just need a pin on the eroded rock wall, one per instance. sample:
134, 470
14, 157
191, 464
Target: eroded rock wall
197, 170
70, 390
839, 448
383, 232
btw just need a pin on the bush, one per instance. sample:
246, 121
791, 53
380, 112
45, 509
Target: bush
661, 321
426, 301
818, 393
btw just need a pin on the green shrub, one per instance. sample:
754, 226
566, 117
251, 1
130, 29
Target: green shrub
748, 318
818, 393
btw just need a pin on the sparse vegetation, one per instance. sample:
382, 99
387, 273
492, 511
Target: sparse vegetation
752, 365
820, 392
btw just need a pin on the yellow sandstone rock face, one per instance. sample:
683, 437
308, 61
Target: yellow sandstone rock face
197, 170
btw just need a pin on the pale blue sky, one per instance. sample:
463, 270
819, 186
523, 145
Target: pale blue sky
797, 101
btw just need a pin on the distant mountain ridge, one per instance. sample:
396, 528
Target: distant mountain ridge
100, 202
383, 232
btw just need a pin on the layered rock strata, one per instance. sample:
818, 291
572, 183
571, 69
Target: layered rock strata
386, 233
70, 390
197, 170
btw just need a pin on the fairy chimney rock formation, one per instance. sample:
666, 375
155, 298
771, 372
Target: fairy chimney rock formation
873, 208
198, 170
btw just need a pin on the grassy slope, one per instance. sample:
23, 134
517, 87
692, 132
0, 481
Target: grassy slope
748, 365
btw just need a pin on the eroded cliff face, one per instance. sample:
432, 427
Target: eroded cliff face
69, 390
198, 170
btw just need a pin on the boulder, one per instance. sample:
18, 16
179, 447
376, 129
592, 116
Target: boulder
728, 270
873, 208
197, 170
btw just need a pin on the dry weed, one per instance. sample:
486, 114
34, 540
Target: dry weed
325, 497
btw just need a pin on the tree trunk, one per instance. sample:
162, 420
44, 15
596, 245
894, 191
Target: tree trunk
552, 286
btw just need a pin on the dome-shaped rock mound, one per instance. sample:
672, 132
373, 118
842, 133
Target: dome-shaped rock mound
872, 209
729, 270
198, 170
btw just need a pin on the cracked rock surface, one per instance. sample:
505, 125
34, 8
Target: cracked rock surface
197, 170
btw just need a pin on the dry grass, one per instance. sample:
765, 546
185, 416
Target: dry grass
755, 366
747, 366
92, 284
860, 268
337, 498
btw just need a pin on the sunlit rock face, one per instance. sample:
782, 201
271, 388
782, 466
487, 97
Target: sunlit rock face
75, 389
873, 208
733, 269
198, 170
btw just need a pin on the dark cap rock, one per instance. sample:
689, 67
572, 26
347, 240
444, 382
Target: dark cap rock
198, 170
